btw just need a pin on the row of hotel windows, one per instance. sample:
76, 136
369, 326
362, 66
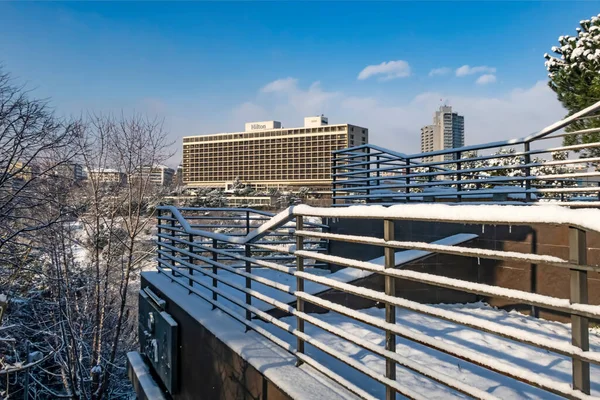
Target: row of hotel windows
266, 134
304, 141
253, 177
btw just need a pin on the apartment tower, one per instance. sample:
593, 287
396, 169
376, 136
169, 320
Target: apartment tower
446, 132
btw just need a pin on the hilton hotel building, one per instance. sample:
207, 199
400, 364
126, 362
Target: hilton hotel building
268, 155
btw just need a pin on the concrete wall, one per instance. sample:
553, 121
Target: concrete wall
537, 239
211, 370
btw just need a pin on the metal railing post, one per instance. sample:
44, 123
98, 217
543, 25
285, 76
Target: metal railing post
299, 285
378, 171
159, 229
579, 294
390, 310
368, 158
173, 252
248, 253
191, 259
215, 257
333, 179
527, 148
247, 222
458, 175
407, 180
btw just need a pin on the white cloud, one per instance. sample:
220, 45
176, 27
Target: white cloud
439, 71
387, 70
280, 85
485, 79
395, 123
468, 70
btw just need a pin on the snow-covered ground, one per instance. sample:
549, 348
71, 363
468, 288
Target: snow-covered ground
539, 362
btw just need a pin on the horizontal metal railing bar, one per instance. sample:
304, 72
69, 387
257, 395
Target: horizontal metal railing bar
269, 300
241, 218
228, 209
454, 250
355, 184
231, 249
389, 155
265, 281
564, 134
466, 171
226, 254
471, 322
468, 355
400, 360
486, 157
562, 305
261, 263
474, 203
551, 303
307, 338
281, 343
517, 216
276, 222
472, 193
442, 194
239, 227
403, 361
481, 181
569, 204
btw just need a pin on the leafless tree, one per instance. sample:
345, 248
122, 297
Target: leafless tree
34, 146
71, 252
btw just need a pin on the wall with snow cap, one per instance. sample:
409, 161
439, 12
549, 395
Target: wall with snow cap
535, 238
219, 360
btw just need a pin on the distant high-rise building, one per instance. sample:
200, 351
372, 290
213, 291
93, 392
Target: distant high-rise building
269, 155
446, 132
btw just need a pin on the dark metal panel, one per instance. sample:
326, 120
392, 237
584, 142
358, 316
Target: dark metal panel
158, 338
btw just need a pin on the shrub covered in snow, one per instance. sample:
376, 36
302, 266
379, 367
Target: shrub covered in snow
574, 72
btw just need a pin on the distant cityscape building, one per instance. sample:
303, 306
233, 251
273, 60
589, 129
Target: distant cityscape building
159, 175
22, 171
268, 155
71, 171
179, 175
446, 132
107, 175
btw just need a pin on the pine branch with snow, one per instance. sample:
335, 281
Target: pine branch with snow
574, 73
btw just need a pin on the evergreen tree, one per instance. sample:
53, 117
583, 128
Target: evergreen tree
574, 72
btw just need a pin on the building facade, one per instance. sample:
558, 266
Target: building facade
71, 171
107, 175
159, 175
446, 132
268, 155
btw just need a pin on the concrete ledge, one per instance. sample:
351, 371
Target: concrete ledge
219, 360
143, 383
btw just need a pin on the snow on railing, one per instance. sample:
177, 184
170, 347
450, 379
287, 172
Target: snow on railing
514, 173
207, 264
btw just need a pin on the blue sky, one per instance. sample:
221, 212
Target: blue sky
208, 67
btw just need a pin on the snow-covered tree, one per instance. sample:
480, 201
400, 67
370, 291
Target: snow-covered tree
574, 72
73, 298
240, 188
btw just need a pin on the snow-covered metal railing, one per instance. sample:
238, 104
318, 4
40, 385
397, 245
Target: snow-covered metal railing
231, 228
517, 171
189, 257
